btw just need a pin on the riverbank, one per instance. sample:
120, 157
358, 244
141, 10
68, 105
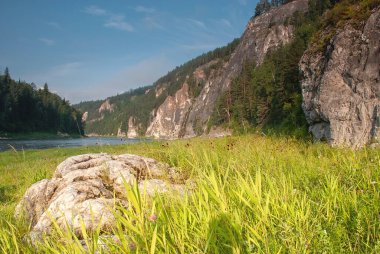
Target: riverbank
253, 194
37, 135
30, 144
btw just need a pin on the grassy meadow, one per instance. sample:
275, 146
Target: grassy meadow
253, 194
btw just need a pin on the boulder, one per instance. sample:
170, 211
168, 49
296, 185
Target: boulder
85, 189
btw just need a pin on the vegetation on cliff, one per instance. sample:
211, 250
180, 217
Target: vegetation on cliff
353, 12
253, 195
24, 108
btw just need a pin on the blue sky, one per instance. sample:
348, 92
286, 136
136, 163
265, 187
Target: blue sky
89, 50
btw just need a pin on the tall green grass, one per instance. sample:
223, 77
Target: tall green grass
252, 194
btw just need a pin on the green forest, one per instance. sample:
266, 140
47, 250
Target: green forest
24, 109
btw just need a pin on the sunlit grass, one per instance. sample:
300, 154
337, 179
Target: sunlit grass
253, 195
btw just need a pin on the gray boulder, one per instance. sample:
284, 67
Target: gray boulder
85, 189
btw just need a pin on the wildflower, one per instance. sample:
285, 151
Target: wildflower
132, 246
153, 217
373, 182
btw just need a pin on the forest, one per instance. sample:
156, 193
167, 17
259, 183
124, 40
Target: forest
25, 108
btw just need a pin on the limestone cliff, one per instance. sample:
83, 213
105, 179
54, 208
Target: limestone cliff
171, 115
179, 116
106, 106
341, 86
132, 128
120, 132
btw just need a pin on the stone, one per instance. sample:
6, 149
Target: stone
85, 189
341, 86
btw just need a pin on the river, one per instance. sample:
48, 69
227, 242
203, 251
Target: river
55, 143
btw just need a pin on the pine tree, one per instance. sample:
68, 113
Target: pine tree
46, 88
7, 76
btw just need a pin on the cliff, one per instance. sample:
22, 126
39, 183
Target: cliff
263, 34
171, 115
341, 86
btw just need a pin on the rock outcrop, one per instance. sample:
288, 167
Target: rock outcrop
120, 132
171, 115
263, 34
106, 106
86, 188
341, 86
84, 117
132, 128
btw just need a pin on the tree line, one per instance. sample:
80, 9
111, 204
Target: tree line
25, 108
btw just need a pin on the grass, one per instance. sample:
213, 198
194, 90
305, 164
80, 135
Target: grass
254, 195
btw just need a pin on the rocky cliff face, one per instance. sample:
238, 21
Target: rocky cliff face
120, 132
341, 86
171, 115
188, 118
106, 106
132, 128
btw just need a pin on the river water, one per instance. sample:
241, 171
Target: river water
55, 143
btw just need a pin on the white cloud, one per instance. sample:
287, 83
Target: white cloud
54, 25
95, 10
118, 22
144, 9
46, 41
225, 22
197, 23
114, 21
152, 23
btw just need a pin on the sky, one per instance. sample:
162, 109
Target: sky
87, 50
